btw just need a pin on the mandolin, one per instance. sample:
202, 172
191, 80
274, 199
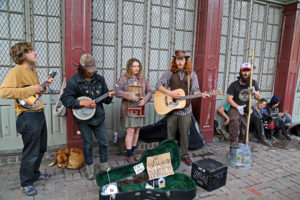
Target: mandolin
164, 103
35, 99
85, 113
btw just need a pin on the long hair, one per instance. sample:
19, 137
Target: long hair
129, 64
18, 51
81, 69
187, 67
259, 102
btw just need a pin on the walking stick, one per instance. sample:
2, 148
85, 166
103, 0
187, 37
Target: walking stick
249, 111
241, 157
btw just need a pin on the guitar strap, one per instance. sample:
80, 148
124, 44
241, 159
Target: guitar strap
189, 82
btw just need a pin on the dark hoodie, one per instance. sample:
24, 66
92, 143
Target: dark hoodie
273, 112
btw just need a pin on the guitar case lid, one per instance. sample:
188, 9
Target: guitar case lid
178, 186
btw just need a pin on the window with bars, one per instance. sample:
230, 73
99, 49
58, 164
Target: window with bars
104, 34
39, 22
47, 39
248, 25
12, 22
147, 30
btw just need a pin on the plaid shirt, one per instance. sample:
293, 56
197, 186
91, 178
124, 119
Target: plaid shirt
165, 82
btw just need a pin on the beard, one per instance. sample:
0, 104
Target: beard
245, 79
31, 62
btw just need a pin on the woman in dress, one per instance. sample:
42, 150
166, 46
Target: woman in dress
132, 106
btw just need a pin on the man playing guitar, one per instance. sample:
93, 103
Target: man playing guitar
181, 76
31, 122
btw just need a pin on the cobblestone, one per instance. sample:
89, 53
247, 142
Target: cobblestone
274, 174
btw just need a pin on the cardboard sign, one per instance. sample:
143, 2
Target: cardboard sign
159, 166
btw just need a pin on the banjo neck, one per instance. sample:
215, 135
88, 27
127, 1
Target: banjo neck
97, 100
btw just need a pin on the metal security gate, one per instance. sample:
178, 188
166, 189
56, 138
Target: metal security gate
41, 23
249, 24
149, 30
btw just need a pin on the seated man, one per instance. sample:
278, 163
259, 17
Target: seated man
238, 98
280, 119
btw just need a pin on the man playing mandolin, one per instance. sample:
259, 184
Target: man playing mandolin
90, 84
31, 122
181, 76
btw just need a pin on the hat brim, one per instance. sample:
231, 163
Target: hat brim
180, 56
245, 68
92, 68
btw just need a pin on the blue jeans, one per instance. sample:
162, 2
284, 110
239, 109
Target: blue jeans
32, 127
286, 119
86, 131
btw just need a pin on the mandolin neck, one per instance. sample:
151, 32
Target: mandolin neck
43, 84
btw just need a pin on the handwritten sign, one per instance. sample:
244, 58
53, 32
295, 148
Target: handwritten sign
159, 166
139, 168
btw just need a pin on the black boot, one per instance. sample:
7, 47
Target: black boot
265, 141
263, 138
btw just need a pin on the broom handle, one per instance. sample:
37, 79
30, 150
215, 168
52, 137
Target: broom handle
249, 111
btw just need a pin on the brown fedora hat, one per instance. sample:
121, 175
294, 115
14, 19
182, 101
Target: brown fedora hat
180, 54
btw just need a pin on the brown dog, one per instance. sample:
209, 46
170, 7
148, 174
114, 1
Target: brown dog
76, 159
71, 158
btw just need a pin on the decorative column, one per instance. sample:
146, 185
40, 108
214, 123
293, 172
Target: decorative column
206, 62
288, 57
77, 42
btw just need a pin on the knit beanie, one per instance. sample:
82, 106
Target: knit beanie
275, 99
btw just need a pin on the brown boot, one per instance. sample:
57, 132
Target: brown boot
130, 160
265, 141
136, 157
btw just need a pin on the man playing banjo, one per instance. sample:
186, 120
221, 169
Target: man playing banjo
89, 84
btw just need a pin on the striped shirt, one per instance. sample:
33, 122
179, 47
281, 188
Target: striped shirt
165, 82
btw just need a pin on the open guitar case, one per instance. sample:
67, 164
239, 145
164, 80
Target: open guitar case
177, 187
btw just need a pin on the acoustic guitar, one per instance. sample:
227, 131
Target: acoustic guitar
35, 99
85, 113
164, 103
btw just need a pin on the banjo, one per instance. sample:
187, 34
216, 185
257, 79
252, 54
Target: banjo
85, 113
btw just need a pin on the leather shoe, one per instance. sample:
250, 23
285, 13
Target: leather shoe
130, 160
187, 160
136, 156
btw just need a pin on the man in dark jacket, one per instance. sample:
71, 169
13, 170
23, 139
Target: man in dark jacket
90, 84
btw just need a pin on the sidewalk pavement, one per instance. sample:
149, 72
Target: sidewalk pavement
274, 174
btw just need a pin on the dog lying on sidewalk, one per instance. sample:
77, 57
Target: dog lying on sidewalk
70, 158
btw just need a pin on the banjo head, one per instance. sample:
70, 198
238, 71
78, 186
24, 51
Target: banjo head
84, 113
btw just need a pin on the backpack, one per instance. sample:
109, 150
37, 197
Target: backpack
60, 110
196, 138
296, 130
268, 122
156, 132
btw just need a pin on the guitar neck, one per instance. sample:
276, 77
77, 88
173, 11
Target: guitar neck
190, 97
